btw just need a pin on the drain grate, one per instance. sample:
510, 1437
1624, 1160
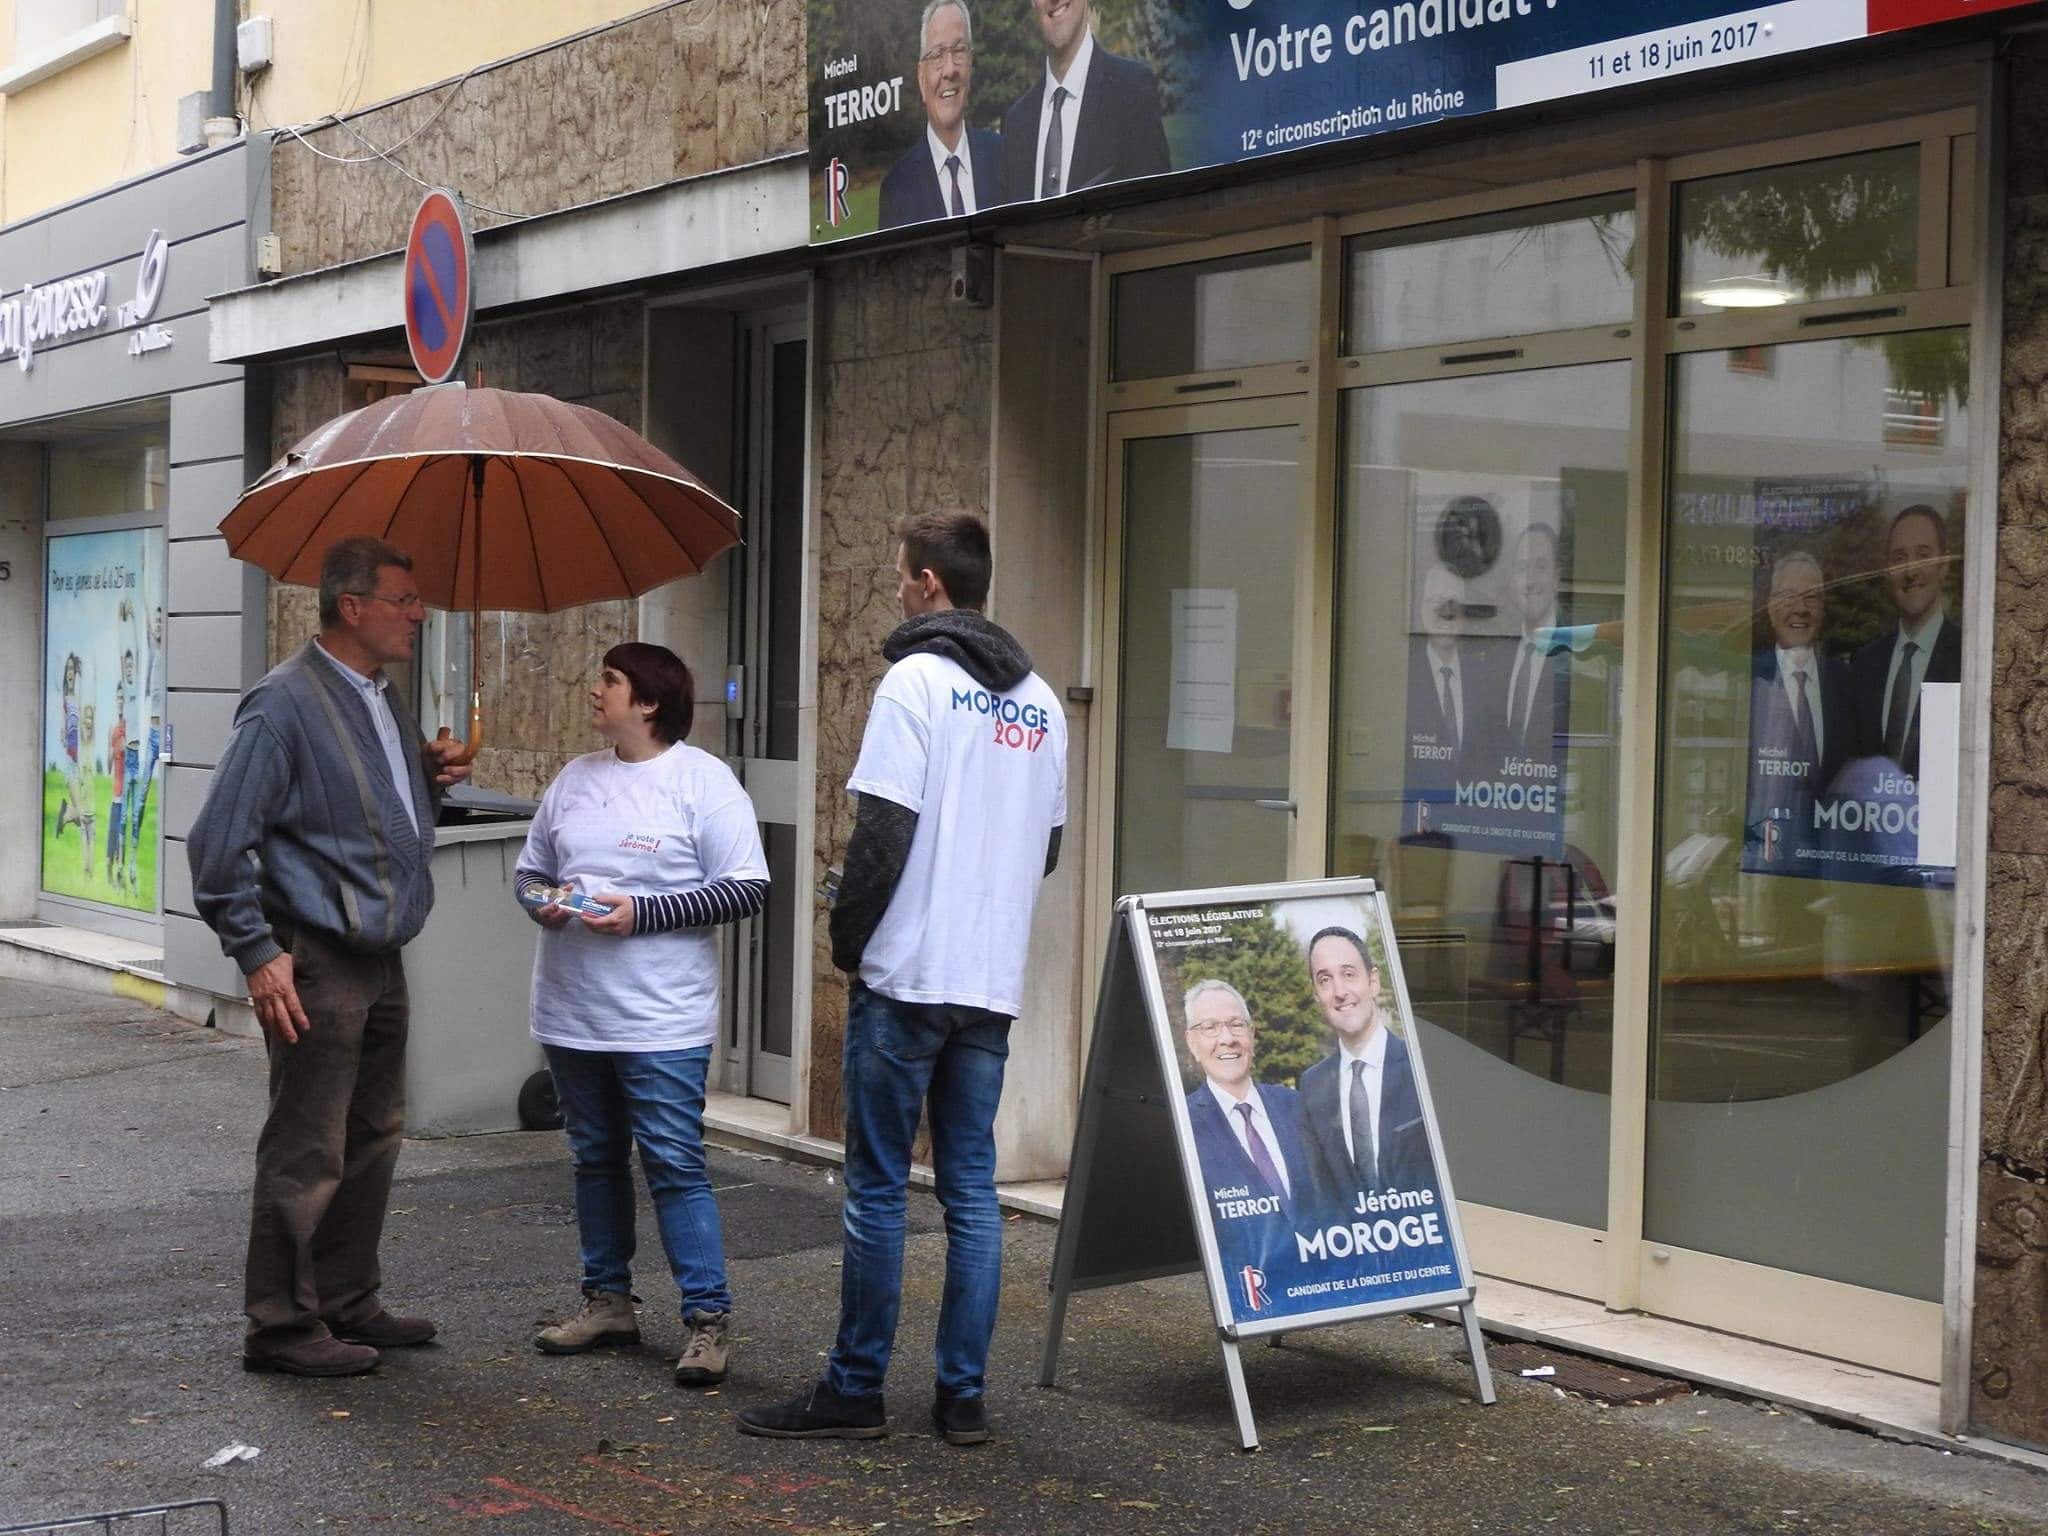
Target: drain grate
26, 922
1597, 1379
150, 965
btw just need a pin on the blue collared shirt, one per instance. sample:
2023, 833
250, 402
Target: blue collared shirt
372, 691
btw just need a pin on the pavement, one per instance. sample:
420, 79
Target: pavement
123, 1201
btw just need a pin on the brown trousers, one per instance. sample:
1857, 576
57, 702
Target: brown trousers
325, 1158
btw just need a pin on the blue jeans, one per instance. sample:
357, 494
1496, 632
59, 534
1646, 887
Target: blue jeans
611, 1100
948, 1061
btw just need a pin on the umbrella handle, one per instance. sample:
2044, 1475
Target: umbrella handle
466, 750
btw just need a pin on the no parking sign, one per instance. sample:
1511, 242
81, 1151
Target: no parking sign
439, 300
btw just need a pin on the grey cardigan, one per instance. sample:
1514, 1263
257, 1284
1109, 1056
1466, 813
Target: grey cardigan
301, 824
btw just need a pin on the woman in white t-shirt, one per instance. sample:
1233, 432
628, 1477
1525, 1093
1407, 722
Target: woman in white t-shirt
637, 853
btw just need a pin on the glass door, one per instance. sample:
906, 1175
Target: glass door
763, 691
1209, 503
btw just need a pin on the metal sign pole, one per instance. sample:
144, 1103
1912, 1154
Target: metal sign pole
1475, 1340
1240, 1399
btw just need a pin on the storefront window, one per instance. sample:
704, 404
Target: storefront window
1813, 654
103, 707
109, 474
1828, 229
1476, 746
1235, 312
1508, 275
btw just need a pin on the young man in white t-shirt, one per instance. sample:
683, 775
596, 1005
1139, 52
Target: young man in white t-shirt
962, 789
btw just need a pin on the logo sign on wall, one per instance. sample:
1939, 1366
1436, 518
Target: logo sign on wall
439, 301
1227, 1126
49, 312
920, 113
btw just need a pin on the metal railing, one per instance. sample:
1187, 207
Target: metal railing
188, 1517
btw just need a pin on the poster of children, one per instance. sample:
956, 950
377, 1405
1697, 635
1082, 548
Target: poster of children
103, 716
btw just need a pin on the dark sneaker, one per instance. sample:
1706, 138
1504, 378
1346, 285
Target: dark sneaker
704, 1357
819, 1413
385, 1331
312, 1357
962, 1420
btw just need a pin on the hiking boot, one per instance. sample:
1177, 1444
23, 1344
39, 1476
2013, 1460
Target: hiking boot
385, 1331
312, 1357
703, 1361
962, 1420
606, 1318
819, 1413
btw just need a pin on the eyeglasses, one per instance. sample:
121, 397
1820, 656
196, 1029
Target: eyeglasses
1209, 1029
410, 600
957, 52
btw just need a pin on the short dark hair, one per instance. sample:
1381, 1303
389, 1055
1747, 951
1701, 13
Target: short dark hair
953, 546
1339, 931
350, 567
1919, 509
657, 676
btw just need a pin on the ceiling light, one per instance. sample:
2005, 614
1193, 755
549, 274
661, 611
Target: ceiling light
1755, 291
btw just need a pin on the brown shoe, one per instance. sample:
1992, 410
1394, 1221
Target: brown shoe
312, 1357
385, 1331
704, 1357
606, 1318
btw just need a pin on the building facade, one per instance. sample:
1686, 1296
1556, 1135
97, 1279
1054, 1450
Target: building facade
1606, 523
129, 630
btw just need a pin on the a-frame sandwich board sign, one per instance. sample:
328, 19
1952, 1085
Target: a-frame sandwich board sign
1303, 1205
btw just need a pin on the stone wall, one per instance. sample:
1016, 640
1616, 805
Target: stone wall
694, 87
905, 411
536, 667
2009, 1364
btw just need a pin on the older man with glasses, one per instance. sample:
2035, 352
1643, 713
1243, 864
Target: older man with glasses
1247, 1137
953, 170
310, 862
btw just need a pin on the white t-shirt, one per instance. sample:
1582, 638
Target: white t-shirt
987, 775
672, 823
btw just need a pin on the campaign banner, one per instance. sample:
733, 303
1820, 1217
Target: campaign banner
103, 716
1490, 668
1853, 655
1315, 1150
923, 112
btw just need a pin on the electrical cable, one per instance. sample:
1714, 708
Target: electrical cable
378, 152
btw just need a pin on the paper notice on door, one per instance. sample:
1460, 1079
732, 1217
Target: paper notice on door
1202, 708
1941, 706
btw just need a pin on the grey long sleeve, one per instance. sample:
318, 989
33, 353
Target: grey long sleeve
875, 856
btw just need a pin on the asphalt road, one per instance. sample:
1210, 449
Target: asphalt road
123, 1188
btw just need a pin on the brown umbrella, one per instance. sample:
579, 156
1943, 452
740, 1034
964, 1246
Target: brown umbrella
503, 500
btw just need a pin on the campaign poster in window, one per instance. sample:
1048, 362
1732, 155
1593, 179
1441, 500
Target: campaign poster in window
1855, 657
